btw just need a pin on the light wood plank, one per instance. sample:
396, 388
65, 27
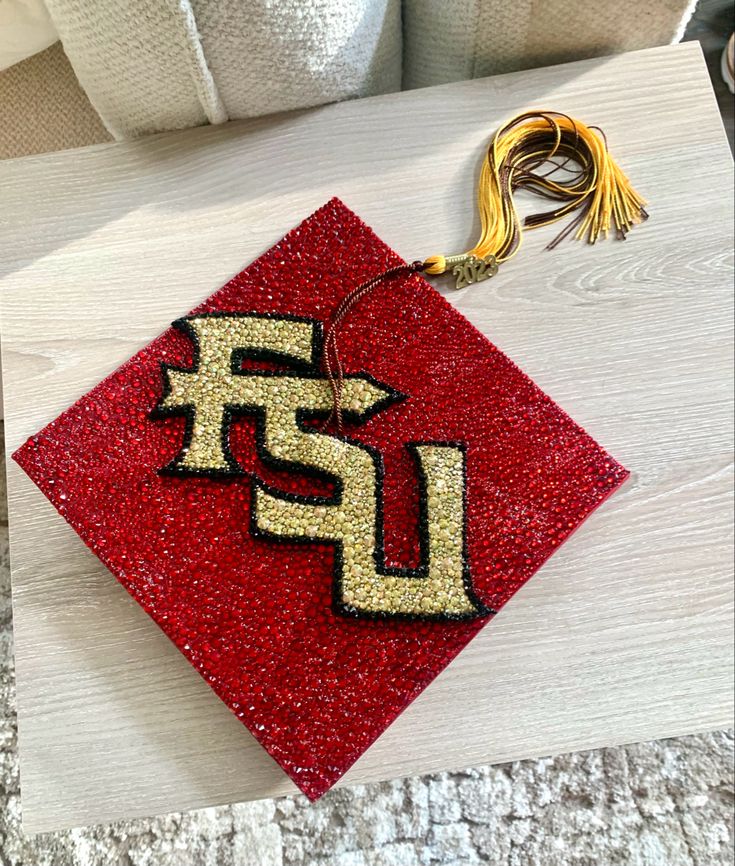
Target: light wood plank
625, 634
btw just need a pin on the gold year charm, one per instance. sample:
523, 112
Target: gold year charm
470, 269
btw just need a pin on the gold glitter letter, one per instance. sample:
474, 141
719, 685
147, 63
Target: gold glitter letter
217, 389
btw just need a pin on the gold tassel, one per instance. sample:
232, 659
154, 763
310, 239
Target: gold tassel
526, 153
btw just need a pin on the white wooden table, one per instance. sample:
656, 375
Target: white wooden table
626, 634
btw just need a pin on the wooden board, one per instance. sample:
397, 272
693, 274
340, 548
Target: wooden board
625, 634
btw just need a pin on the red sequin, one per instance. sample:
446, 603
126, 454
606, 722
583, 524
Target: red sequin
253, 616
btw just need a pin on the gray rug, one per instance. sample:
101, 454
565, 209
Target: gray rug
666, 803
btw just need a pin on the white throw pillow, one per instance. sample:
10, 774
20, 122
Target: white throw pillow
25, 29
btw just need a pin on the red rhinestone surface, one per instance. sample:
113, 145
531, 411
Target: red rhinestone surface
253, 616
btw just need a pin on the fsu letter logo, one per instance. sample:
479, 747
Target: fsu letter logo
217, 389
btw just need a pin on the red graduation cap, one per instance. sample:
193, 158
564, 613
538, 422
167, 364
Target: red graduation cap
319, 579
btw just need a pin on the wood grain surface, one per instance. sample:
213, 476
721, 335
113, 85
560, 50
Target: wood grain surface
626, 634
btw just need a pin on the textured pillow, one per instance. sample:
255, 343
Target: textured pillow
154, 65
452, 40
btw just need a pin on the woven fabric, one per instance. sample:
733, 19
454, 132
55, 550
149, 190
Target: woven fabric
140, 63
43, 108
268, 57
153, 65
452, 41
